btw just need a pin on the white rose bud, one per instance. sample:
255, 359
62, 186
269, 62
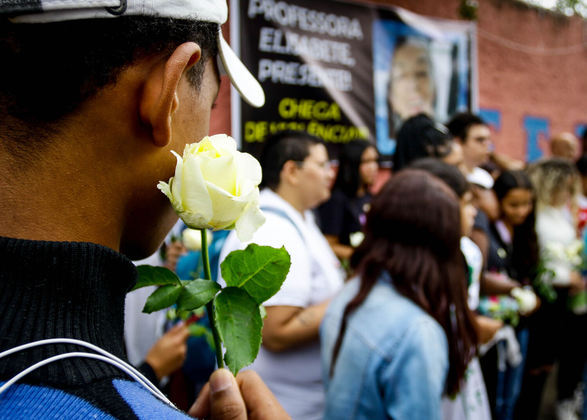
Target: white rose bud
192, 239
356, 239
526, 299
216, 187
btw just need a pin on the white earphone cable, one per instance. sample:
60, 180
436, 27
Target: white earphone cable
103, 356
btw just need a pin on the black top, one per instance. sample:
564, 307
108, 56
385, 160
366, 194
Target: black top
341, 215
65, 290
499, 257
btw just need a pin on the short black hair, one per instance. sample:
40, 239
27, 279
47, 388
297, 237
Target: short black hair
459, 124
419, 137
48, 70
281, 147
445, 172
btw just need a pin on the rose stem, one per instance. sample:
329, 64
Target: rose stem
210, 305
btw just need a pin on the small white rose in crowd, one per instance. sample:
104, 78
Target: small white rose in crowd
216, 187
556, 250
356, 239
192, 239
526, 299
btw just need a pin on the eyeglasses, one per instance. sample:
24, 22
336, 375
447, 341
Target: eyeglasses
325, 166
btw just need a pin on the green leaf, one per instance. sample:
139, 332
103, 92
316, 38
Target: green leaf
239, 324
155, 276
197, 293
197, 330
162, 298
260, 270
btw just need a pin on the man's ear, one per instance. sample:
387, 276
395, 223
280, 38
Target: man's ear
160, 98
289, 172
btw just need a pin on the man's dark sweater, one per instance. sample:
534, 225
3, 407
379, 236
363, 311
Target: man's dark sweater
67, 290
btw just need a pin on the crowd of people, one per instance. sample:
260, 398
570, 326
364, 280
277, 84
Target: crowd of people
449, 292
452, 292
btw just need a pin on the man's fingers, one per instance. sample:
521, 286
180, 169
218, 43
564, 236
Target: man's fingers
201, 406
260, 401
224, 401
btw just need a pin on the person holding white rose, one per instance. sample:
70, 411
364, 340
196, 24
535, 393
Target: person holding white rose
555, 331
83, 144
297, 177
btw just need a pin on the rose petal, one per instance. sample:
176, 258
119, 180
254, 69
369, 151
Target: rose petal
223, 143
175, 186
220, 171
227, 208
194, 193
249, 222
249, 173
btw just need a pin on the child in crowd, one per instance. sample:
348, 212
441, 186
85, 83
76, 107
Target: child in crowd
402, 326
512, 257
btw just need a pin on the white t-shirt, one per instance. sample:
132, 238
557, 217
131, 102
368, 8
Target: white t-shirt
556, 233
142, 330
474, 259
295, 376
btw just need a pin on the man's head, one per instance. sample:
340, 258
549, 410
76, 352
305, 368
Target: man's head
96, 98
475, 137
296, 166
419, 137
564, 145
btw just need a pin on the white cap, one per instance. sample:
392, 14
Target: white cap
481, 177
213, 11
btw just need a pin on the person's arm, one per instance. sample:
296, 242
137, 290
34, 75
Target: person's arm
507, 163
341, 251
225, 397
169, 352
172, 254
289, 326
480, 238
497, 284
486, 328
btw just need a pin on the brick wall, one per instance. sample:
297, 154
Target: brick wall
532, 68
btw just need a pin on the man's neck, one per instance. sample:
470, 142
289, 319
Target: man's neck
54, 198
468, 167
290, 195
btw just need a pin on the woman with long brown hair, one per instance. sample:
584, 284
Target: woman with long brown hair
400, 334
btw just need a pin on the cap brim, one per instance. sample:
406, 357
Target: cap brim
242, 79
481, 178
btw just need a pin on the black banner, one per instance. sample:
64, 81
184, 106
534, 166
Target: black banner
344, 71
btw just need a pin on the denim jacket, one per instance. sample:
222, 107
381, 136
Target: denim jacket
393, 360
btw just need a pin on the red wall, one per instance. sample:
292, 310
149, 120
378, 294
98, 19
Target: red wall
531, 63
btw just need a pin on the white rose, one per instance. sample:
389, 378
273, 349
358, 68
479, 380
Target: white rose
526, 299
192, 239
356, 239
556, 250
216, 187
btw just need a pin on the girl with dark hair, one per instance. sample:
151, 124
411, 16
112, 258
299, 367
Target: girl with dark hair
471, 402
343, 215
512, 259
400, 334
